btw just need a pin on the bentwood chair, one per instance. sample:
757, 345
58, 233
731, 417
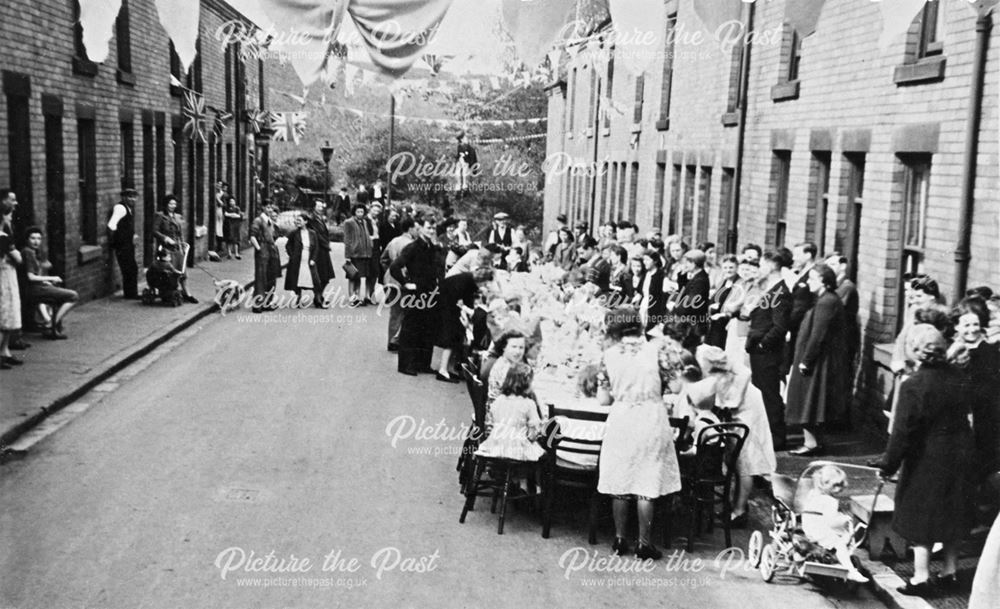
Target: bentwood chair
709, 480
559, 472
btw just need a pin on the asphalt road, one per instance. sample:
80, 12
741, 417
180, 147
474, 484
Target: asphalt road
255, 437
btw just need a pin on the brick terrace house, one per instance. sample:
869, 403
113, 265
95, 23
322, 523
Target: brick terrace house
73, 133
861, 150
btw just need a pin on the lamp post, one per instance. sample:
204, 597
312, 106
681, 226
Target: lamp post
263, 142
327, 151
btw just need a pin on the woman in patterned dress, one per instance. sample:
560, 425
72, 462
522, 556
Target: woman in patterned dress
10, 298
638, 458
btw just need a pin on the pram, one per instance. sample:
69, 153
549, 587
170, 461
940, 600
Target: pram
789, 551
163, 280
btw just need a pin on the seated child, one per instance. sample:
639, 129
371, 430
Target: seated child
580, 438
822, 521
513, 419
164, 266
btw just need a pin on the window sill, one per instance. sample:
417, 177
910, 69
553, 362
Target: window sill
125, 78
928, 69
569, 135
663, 124
785, 90
636, 127
606, 131
590, 132
730, 119
89, 253
84, 67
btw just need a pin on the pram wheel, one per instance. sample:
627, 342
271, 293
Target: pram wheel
176, 299
755, 548
768, 559
148, 298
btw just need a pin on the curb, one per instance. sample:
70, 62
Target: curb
884, 582
10, 435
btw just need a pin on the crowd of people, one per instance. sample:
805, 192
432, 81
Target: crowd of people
771, 336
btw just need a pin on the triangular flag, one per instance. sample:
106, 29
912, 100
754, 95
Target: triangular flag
180, 19
897, 16
535, 26
714, 13
97, 19
638, 26
803, 15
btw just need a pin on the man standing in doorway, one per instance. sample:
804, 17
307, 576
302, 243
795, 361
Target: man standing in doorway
122, 240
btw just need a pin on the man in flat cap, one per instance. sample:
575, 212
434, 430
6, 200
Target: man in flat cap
500, 234
122, 241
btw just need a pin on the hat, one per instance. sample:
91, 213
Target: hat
582, 226
130, 192
501, 216
561, 218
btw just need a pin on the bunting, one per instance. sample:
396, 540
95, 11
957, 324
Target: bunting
195, 115
536, 26
258, 119
97, 20
803, 15
638, 26
713, 13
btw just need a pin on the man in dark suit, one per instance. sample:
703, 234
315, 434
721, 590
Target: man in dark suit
593, 268
766, 340
341, 205
416, 271
388, 229
803, 260
692, 301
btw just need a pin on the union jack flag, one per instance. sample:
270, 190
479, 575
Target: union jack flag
289, 126
194, 112
258, 119
222, 120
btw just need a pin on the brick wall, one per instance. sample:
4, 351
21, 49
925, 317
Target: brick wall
36, 40
845, 102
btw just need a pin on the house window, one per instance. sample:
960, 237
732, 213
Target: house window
675, 200
916, 179
572, 101
788, 72
87, 172
930, 32
848, 234
81, 64
17, 88
592, 106
148, 193
704, 203
127, 155
228, 69
687, 220
633, 193
622, 181
175, 69
661, 177
611, 82
668, 73
55, 188
161, 163
177, 140
604, 215
124, 43
725, 201
640, 92
819, 195
780, 170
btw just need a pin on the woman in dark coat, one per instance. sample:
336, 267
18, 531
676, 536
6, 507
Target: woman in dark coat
302, 250
358, 249
324, 265
457, 292
931, 444
820, 382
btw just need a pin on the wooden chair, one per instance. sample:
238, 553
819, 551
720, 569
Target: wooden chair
560, 472
709, 480
477, 427
502, 474
665, 505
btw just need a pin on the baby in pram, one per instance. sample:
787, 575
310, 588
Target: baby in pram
822, 521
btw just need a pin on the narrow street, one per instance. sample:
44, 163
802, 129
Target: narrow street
272, 437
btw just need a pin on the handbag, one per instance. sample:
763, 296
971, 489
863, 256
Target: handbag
350, 270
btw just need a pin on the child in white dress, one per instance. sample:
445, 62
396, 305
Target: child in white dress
513, 419
823, 522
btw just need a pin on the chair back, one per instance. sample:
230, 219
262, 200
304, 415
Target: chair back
718, 449
580, 433
477, 394
679, 425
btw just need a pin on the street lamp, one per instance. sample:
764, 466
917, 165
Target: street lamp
327, 152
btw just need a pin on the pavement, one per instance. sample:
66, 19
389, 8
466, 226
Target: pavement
105, 335
295, 448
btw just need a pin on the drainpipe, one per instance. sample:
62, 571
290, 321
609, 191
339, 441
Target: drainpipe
732, 235
984, 24
593, 167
